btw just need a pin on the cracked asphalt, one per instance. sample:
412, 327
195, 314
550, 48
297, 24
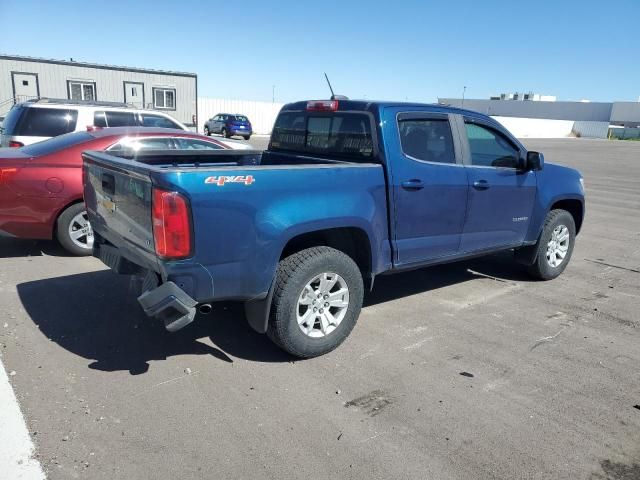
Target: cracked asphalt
468, 370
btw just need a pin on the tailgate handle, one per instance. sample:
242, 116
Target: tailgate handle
108, 183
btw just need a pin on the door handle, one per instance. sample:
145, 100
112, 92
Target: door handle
108, 183
413, 184
481, 185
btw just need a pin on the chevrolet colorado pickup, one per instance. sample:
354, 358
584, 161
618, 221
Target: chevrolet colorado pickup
346, 191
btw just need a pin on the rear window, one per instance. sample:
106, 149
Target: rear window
344, 135
57, 143
239, 118
40, 122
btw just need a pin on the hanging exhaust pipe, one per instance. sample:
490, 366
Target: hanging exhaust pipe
205, 308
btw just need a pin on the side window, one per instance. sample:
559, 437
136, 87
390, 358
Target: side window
429, 140
81, 90
121, 119
158, 121
99, 120
490, 148
164, 98
194, 144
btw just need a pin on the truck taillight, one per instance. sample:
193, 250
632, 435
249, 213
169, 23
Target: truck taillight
171, 224
322, 105
14, 144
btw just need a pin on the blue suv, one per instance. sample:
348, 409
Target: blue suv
228, 125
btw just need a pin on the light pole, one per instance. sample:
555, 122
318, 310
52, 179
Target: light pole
273, 94
464, 89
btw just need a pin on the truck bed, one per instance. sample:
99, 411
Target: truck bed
244, 207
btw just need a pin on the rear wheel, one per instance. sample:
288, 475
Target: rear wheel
316, 302
74, 232
247, 137
225, 133
555, 245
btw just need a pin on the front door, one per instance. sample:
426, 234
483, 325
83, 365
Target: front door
501, 192
429, 186
25, 86
134, 94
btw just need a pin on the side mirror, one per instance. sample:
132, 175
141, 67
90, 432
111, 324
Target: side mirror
535, 161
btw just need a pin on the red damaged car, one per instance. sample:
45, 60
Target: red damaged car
41, 184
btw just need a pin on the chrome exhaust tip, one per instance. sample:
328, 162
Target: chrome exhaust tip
205, 308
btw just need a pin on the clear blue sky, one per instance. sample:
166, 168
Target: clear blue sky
415, 50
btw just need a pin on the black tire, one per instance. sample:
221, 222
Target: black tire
206, 131
63, 234
224, 133
541, 268
294, 273
246, 137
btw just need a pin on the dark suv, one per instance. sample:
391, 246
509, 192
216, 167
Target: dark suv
228, 125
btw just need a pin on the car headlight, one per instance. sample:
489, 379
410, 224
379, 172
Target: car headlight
582, 183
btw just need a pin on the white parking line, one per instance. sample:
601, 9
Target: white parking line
16, 447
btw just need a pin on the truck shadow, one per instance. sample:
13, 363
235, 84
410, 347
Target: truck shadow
501, 267
18, 247
96, 315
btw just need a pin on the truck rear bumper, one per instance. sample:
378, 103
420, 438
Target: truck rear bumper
169, 304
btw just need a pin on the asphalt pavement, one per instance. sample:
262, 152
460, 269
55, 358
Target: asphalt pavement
463, 371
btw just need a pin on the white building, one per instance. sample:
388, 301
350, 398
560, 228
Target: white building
24, 78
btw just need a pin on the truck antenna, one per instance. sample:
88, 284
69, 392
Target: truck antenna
329, 83
333, 95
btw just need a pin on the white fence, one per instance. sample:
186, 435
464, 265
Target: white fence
261, 114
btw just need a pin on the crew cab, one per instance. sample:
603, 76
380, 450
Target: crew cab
346, 191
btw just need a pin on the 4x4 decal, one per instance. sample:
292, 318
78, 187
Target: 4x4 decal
223, 179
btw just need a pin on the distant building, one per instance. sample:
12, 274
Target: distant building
553, 118
24, 78
530, 97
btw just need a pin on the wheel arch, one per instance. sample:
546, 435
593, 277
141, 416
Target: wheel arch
352, 241
574, 206
60, 211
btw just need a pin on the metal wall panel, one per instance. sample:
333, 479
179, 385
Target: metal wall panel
626, 112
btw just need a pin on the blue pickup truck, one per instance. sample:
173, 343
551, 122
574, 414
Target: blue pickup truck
346, 191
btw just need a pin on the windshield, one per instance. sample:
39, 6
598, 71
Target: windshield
57, 143
345, 135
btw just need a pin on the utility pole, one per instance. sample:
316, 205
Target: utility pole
273, 94
464, 89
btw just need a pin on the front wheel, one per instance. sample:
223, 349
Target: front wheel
555, 245
206, 131
74, 232
316, 302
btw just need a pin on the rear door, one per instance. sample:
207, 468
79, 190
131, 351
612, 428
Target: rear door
429, 185
501, 192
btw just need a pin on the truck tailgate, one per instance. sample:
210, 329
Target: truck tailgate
118, 196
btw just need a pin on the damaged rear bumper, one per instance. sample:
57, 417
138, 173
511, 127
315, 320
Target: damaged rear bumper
169, 304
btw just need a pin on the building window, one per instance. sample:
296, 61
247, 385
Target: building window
164, 98
81, 90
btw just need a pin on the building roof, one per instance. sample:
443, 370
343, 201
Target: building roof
73, 63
